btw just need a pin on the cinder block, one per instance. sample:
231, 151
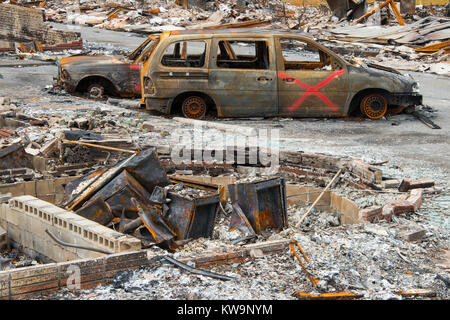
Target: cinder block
23, 198
128, 244
37, 227
33, 217
44, 188
40, 245
13, 216
54, 210
27, 239
14, 233
33, 203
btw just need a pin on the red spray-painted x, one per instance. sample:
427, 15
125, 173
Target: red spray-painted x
312, 89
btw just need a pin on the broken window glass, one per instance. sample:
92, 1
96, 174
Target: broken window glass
187, 54
243, 55
300, 55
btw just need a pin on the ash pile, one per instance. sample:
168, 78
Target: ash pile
362, 261
324, 258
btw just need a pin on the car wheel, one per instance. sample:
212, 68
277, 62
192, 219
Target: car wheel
374, 106
96, 91
194, 107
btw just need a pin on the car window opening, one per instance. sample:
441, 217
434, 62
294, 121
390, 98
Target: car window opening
299, 55
188, 54
243, 55
141, 53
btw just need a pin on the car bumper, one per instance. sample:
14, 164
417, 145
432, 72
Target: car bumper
157, 104
405, 99
63, 84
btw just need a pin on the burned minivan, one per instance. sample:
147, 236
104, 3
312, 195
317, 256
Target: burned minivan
100, 75
265, 73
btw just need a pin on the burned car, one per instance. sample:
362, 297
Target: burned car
249, 73
99, 75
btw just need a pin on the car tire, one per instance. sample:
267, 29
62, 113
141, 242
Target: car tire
96, 91
194, 107
374, 106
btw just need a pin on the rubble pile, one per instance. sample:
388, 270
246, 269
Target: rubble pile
386, 247
373, 260
419, 43
13, 258
168, 15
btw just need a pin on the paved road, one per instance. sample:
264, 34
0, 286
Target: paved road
408, 144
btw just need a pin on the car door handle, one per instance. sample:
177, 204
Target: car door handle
289, 80
262, 78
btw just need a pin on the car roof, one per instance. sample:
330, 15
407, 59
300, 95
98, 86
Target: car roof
238, 31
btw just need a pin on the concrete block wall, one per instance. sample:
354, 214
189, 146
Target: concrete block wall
329, 202
26, 218
51, 190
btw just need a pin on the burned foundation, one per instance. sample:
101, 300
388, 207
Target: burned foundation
138, 203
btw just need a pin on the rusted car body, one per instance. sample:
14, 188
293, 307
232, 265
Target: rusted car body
243, 73
99, 75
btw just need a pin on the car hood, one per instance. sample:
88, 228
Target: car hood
94, 59
398, 80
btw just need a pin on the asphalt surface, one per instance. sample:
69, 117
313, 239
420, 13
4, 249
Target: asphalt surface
407, 143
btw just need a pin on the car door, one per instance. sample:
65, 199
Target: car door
311, 82
242, 77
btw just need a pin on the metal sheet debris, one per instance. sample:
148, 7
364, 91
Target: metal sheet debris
263, 203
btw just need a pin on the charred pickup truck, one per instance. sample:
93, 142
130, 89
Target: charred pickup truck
99, 75
249, 73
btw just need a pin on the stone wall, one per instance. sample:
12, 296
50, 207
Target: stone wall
27, 24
